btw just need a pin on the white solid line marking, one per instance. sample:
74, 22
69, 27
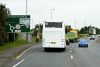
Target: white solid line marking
70, 50
18, 63
72, 57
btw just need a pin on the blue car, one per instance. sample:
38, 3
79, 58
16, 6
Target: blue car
83, 43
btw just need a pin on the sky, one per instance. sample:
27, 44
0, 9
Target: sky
84, 12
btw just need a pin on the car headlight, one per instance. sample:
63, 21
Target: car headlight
86, 42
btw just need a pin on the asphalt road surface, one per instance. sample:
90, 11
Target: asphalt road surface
72, 57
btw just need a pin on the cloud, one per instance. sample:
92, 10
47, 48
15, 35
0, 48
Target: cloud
66, 10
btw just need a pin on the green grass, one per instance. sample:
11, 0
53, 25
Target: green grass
34, 39
13, 44
82, 35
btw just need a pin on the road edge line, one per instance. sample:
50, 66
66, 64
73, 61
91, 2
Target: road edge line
23, 53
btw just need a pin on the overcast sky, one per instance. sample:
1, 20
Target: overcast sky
65, 10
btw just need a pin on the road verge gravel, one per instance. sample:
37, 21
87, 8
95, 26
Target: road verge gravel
8, 54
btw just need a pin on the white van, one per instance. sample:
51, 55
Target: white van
53, 35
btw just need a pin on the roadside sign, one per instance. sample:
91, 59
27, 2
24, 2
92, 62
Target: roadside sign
17, 23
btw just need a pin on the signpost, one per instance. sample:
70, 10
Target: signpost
17, 23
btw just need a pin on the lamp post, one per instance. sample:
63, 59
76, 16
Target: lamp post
52, 13
84, 26
26, 7
75, 23
26, 14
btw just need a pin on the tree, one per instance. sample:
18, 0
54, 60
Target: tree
85, 30
3, 14
38, 28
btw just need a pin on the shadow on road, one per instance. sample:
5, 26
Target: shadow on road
54, 50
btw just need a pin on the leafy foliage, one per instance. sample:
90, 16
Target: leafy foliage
4, 12
38, 28
85, 30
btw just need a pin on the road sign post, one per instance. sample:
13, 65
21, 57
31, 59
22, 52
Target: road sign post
17, 24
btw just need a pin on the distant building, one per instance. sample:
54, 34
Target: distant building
92, 31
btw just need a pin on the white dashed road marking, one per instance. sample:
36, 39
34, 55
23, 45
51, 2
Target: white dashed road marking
70, 50
72, 57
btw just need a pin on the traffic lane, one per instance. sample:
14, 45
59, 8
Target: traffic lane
74, 53
39, 48
87, 57
35, 48
95, 48
48, 59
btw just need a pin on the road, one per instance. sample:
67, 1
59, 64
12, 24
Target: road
72, 57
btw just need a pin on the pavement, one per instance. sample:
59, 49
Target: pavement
10, 54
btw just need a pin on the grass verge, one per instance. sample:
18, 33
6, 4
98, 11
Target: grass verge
34, 40
82, 35
13, 44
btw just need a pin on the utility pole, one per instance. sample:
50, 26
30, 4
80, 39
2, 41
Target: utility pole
75, 23
52, 13
26, 7
26, 14
84, 26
